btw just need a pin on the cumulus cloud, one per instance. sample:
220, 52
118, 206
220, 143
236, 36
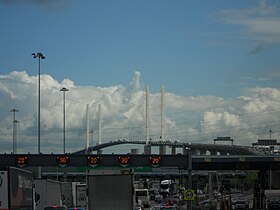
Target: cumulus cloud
45, 4
261, 23
194, 119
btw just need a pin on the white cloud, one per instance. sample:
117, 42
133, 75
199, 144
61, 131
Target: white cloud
188, 119
261, 23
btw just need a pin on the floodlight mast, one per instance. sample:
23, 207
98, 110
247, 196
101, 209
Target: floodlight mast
39, 56
64, 90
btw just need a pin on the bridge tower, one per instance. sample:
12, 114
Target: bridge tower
99, 128
147, 146
87, 130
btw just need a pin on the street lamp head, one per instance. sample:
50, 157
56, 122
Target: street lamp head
14, 110
38, 55
64, 89
41, 55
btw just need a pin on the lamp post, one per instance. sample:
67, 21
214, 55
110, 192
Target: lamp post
39, 56
14, 110
64, 90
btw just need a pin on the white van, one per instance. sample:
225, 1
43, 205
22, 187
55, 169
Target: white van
143, 195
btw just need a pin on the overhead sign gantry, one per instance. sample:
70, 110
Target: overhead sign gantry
64, 160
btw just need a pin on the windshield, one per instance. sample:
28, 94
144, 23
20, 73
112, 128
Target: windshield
141, 193
164, 186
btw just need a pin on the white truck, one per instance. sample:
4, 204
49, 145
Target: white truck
74, 194
143, 196
48, 192
16, 189
79, 193
110, 189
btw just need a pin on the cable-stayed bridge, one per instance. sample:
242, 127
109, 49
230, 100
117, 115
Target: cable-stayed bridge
196, 149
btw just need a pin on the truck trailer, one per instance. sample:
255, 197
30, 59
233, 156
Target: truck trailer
49, 193
110, 189
16, 189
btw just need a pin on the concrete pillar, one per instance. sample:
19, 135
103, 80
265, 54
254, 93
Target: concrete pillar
162, 150
185, 150
173, 150
134, 151
213, 152
147, 149
223, 152
203, 151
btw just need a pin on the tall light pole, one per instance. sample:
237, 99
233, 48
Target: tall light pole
39, 56
64, 90
14, 110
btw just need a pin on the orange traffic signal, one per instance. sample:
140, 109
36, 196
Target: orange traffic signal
21, 160
155, 160
62, 160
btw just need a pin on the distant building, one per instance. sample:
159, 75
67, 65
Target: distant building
266, 142
227, 138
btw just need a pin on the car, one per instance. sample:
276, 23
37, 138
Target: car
76, 208
273, 204
240, 204
207, 204
176, 198
56, 208
139, 207
163, 207
159, 199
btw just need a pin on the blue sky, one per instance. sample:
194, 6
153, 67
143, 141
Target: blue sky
192, 47
218, 60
